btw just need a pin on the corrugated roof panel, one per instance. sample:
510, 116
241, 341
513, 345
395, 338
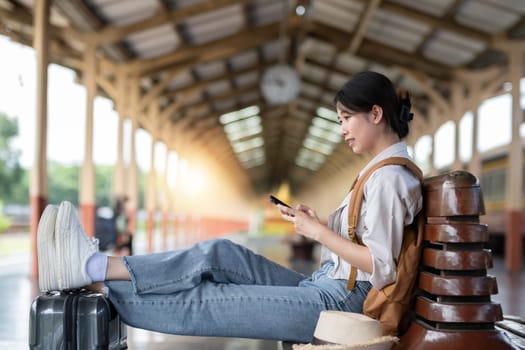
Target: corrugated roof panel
343, 15
396, 31
390, 72
486, 17
337, 80
459, 41
441, 52
433, 7
268, 12
218, 87
273, 49
182, 79
214, 25
154, 42
224, 105
247, 79
122, 12
210, 70
347, 6
249, 97
452, 49
318, 50
244, 60
393, 20
350, 63
313, 72
509, 5
310, 90
181, 3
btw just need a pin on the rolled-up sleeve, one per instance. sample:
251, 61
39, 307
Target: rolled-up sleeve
392, 198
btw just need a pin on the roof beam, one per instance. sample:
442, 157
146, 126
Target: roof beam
219, 49
381, 53
113, 34
436, 23
359, 35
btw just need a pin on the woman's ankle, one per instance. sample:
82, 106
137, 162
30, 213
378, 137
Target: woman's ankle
97, 266
116, 269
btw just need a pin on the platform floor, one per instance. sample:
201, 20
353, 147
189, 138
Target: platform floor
17, 292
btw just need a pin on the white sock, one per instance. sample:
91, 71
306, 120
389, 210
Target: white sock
97, 266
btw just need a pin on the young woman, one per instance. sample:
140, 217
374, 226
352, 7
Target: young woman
218, 288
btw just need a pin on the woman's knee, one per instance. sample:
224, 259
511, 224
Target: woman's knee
217, 246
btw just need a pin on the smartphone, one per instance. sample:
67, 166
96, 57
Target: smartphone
276, 201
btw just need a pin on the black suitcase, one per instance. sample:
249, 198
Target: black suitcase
75, 320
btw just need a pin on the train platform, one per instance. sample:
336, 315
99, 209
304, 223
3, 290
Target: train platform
17, 291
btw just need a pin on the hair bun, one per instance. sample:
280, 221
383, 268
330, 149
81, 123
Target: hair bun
404, 113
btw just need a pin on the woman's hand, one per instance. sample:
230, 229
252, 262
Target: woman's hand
305, 220
307, 224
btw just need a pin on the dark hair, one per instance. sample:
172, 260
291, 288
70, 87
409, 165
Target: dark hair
369, 88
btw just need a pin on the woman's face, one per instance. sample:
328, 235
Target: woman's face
360, 129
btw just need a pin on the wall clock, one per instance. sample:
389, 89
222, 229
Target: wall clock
280, 84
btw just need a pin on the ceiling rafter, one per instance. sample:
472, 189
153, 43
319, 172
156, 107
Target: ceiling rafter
371, 7
111, 34
220, 49
437, 23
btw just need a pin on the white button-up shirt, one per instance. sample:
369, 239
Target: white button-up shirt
392, 198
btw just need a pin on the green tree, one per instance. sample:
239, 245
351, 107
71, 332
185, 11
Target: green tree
104, 183
10, 169
63, 183
20, 191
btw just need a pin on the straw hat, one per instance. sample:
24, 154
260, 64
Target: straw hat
338, 330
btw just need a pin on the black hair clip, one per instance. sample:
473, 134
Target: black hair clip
405, 115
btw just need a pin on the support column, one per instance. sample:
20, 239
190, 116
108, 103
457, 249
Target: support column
87, 176
432, 156
475, 162
132, 188
39, 181
513, 237
456, 109
119, 183
165, 203
151, 197
457, 165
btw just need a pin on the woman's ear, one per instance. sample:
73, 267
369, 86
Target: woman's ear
377, 114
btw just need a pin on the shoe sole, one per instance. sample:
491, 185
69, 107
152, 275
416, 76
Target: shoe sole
62, 234
46, 251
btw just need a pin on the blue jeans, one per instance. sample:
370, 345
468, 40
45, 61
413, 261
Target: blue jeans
219, 288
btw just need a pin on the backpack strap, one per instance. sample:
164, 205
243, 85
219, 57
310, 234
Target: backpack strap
354, 206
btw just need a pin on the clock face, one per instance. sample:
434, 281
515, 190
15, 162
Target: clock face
280, 84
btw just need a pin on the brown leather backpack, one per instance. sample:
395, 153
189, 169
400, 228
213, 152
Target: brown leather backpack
391, 304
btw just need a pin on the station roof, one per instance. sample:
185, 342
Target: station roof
203, 62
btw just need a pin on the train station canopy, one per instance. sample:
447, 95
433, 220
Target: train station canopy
253, 81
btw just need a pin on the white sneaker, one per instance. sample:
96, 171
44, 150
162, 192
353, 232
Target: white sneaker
73, 249
45, 238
